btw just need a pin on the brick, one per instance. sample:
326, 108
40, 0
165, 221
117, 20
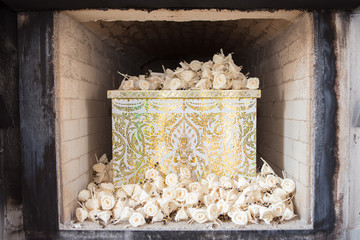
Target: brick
70, 171
302, 202
304, 133
288, 71
72, 189
65, 109
91, 91
291, 167
284, 56
74, 148
68, 46
70, 130
301, 110
297, 90
287, 146
86, 162
304, 175
301, 152
291, 129
69, 88
302, 68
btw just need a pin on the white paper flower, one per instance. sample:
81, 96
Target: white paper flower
209, 199
169, 193
171, 179
159, 183
207, 65
261, 181
232, 196
173, 205
228, 184
266, 169
104, 216
266, 215
241, 201
280, 193
127, 85
137, 219
151, 173
158, 217
278, 209
147, 187
181, 215
166, 84
254, 192
185, 65
254, 210
136, 192
185, 172
192, 198
126, 213
107, 202
81, 214
84, 195
233, 68
242, 183
185, 182
108, 187
253, 83
274, 199
213, 182
93, 215
266, 197
200, 215
223, 206
206, 74
176, 84
181, 194
143, 197
288, 185
187, 75
150, 209
219, 81
194, 187
116, 212
92, 204
144, 85
238, 84
204, 186
218, 68
164, 205
288, 214
128, 189
92, 186
217, 58
195, 65
232, 210
212, 212
271, 181
99, 167
240, 218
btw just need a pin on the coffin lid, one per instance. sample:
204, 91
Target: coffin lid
184, 94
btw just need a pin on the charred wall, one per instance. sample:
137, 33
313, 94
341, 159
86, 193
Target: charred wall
10, 157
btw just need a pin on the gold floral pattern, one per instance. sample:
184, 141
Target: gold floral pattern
204, 134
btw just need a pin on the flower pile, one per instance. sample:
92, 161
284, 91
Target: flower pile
173, 197
219, 73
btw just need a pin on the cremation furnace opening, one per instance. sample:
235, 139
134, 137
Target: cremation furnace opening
91, 46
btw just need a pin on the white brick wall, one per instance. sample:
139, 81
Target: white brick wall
285, 68
86, 69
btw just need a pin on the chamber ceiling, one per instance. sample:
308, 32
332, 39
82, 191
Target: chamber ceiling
150, 43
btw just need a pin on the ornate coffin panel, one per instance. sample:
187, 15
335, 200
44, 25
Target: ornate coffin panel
207, 131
